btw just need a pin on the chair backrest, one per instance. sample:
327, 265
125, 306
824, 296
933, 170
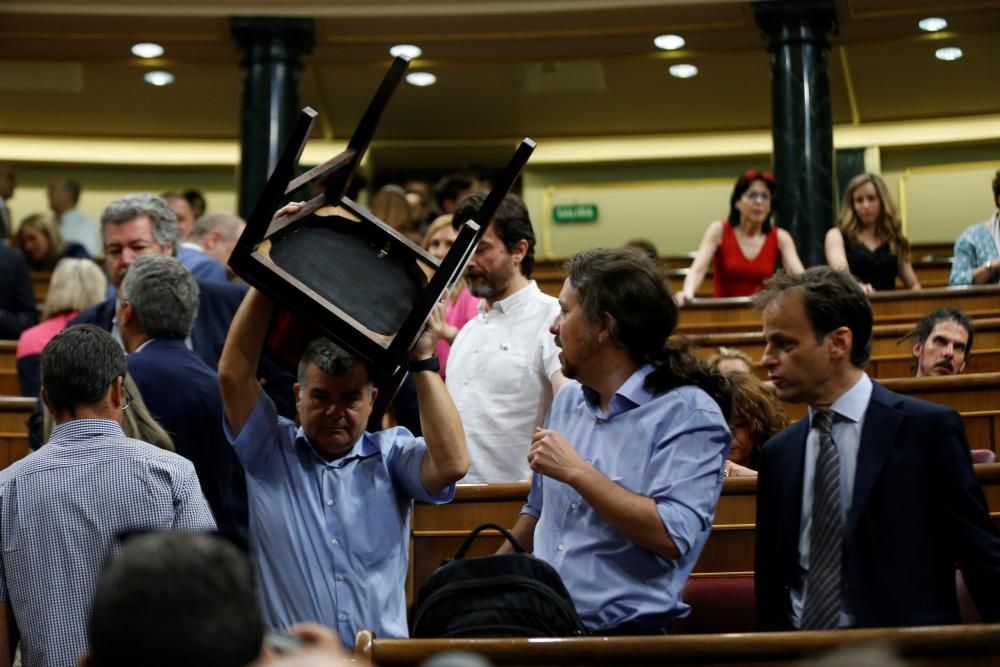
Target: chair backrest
719, 603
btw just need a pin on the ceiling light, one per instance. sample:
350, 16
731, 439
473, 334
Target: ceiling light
421, 79
948, 53
405, 50
147, 50
669, 42
932, 24
683, 71
159, 78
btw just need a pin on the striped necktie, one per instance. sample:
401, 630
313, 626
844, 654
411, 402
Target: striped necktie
823, 597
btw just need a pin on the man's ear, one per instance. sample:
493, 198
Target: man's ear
298, 396
841, 340
918, 347
373, 394
126, 313
117, 393
607, 328
45, 401
520, 250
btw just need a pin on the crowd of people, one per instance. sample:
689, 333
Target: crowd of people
160, 411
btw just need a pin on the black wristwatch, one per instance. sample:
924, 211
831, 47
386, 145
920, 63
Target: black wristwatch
431, 363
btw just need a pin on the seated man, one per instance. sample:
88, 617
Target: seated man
330, 503
628, 468
157, 305
942, 342
64, 505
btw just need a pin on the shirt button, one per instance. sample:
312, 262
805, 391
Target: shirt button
342, 617
575, 505
561, 547
339, 577
331, 503
333, 541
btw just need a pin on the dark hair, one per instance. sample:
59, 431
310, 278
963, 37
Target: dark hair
176, 599
996, 189
72, 188
78, 366
626, 291
328, 357
832, 299
451, 187
511, 224
644, 246
743, 184
926, 325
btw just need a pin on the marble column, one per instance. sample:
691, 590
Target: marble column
802, 122
272, 48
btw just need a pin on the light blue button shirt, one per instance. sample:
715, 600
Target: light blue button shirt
848, 420
973, 248
670, 447
329, 539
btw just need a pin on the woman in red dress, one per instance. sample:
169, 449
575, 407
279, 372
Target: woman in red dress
744, 249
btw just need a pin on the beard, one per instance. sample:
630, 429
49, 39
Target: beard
488, 285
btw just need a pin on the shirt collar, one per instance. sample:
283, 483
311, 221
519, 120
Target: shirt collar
514, 301
68, 432
852, 403
630, 395
361, 449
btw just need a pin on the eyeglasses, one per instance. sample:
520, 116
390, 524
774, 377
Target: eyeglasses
757, 195
128, 397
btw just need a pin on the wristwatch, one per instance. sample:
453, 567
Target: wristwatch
431, 363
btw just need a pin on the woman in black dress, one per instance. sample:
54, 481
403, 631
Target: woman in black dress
868, 239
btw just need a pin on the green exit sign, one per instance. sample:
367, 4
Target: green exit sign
574, 213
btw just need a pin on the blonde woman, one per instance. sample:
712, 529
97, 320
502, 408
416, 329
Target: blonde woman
868, 239
39, 238
76, 284
462, 306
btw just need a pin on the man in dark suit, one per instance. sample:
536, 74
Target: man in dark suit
17, 301
159, 300
866, 507
142, 224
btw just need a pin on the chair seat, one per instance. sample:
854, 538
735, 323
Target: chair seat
378, 286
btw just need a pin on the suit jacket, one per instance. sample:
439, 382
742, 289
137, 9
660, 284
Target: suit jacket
182, 394
216, 307
201, 266
917, 512
17, 301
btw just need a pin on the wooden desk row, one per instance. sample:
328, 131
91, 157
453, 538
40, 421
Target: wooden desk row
937, 646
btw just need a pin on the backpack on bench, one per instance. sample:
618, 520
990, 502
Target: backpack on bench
505, 595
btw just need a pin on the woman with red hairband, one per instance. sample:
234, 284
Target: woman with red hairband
744, 249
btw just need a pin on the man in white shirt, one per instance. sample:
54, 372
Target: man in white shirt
503, 369
74, 224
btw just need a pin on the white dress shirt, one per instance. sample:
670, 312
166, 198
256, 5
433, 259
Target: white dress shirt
500, 376
848, 421
76, 226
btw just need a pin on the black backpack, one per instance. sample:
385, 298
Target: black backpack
506, 595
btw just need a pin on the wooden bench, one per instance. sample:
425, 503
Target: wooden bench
951, 646
885, 339
40, 285
911, 304
438, 530
14, 414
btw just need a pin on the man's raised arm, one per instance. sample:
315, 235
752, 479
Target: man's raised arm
447, 459
240, 356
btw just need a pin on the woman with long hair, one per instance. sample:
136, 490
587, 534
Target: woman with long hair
745, 247
868, 239
39, 238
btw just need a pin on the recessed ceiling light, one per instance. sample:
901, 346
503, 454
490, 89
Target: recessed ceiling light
159, 78
948, 53
932, 24
683, 71
421, 79
669, 42
147, 50
406, 50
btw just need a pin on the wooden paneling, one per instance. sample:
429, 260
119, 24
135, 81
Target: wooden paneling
944, 646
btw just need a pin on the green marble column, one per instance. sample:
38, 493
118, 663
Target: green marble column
802, 123
272, 48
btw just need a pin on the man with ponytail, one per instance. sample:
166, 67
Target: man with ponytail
628, 467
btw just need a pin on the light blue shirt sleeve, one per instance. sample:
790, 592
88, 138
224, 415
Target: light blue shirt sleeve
260, 436
404, 459
533, 507
973, 248
685, 474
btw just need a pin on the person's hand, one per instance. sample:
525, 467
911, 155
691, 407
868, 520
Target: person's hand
424, 346
682, 299
868, 289
319, 646
553, 456
736, 470
288, 209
